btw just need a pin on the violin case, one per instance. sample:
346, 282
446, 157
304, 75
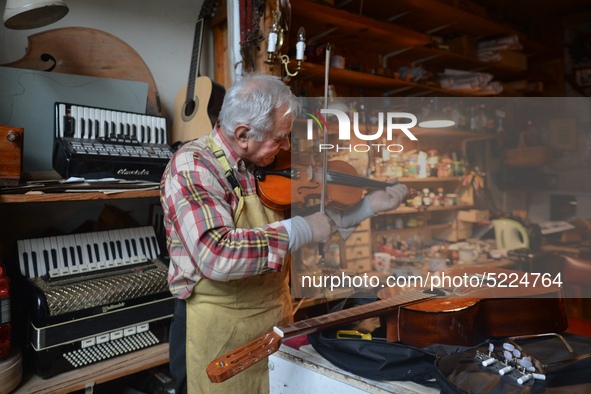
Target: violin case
451, 369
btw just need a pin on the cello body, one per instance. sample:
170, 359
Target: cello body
480, 314
85, 51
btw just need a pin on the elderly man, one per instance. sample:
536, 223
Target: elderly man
227, 249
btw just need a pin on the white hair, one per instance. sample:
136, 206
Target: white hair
253, 100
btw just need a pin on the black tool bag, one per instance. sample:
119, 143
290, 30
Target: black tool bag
451, 369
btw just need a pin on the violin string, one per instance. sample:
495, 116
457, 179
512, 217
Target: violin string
350, 180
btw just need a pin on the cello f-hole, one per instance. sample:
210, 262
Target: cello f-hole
47, 57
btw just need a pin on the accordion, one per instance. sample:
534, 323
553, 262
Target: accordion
94, 296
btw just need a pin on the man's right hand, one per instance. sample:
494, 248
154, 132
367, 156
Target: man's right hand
321, 229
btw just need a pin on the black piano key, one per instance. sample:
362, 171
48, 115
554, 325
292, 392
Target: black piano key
114, 250
150, 253
68, 127
143, 246
79, 253
162, 135
82, 127
65, 257
118, 246
128, 248
47, 261
97, 252
155, 246
149, 133
54, 258
134, 246
26, 262
113, 130
89, 252
143, 134
106, 126
106, 249
73, 256
35, 262
134, 132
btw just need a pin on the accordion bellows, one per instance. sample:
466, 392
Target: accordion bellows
90, 292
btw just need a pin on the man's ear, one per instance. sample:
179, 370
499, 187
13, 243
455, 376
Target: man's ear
241, 135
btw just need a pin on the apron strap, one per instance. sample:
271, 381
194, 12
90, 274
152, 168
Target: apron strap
229, 171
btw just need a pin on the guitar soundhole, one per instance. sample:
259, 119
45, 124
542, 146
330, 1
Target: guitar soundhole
189, 107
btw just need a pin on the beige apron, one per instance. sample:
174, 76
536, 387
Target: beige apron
222, 316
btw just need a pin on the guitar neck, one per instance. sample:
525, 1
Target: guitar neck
223, 368
195, 60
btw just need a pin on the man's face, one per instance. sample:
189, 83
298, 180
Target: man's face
263, 153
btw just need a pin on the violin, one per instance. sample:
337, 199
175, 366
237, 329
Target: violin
284, 183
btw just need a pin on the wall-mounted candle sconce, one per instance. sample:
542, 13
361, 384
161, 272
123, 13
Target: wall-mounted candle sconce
275, 42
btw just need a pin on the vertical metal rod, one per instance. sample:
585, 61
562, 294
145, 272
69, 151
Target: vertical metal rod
324, 153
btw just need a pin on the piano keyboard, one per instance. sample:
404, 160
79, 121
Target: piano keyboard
66, 256
100, 143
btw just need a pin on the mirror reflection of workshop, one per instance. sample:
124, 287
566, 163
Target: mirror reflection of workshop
295, 196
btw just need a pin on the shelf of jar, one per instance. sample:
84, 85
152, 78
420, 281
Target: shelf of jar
423, 15
52, 197
392, 86
441, 226
403, 210
429, 179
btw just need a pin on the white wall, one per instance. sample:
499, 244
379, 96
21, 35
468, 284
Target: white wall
160, 31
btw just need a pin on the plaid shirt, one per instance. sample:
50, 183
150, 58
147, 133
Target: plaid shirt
199, 205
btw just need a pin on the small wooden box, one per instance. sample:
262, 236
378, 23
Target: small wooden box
11, 155
514, 60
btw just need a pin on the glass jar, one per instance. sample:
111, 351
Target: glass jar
410, 169
432, 161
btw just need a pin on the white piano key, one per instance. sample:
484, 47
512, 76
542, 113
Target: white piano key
74, 270
85, 117
55, 273
75, 112
153, 131
61, 129
135, 126
92, 267
91, 124
64, 271
109, 118
102, 118
119, 123
128, 125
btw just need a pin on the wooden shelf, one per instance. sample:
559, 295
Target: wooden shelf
394, 28
52, 197
406, 229
349, 78
402, 210
428, 15
97, 373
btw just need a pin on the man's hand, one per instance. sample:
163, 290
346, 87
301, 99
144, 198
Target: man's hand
321, 228
389, 198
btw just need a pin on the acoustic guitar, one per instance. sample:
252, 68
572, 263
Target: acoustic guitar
463, 316
198, 103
